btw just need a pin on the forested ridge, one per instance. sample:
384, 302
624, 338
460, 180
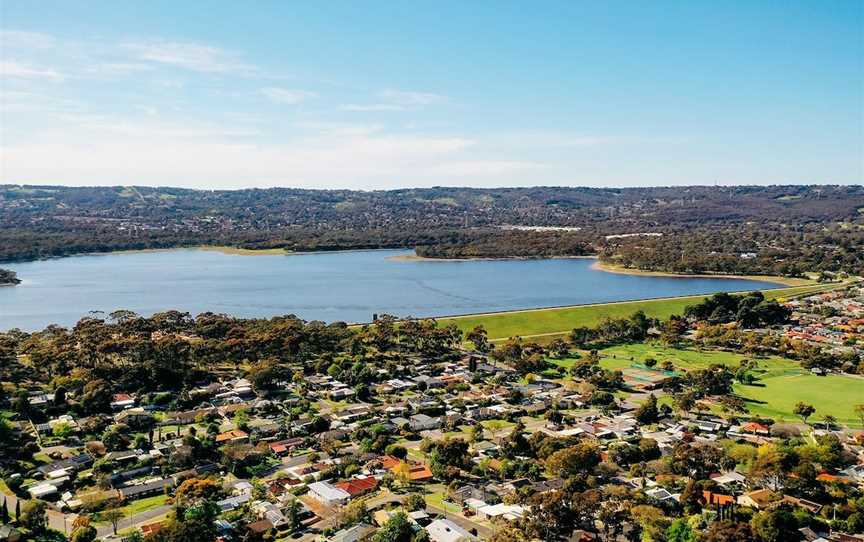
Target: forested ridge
745, 229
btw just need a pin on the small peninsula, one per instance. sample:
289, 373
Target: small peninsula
8, 277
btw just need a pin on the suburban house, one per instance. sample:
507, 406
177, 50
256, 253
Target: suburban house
328, 494
758, 499
444, 530
358, 486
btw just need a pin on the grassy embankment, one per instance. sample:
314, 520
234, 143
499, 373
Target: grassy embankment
548, 323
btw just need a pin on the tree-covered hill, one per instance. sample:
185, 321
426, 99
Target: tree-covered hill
749, 229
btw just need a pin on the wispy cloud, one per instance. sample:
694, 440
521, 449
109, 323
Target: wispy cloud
37, 102
372, 107
20, 70
18, 39
177, 156
483, 168
341, 129
285, 96
119, 68
188, 55
573, 140
398, 100
97, 127
411, 98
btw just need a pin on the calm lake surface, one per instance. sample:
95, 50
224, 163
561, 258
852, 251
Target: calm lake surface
348, 286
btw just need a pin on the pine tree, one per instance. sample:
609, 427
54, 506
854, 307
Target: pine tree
4, 512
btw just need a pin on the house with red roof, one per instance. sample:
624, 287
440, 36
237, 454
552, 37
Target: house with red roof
358, 486
713, 499
233, 436
756, 428
417, 472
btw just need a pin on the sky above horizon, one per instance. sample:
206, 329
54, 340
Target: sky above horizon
376, 95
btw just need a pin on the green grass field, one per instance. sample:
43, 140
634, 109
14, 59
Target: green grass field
833, 394
135, 507
618, 357
437, 499
781, 379
557, 321
782, 382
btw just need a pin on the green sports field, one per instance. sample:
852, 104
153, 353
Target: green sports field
545, 323
618, 357
833, 394
782, 382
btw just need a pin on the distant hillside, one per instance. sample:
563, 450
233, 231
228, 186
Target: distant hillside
46, 221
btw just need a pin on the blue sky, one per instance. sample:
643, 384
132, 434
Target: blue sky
376, 95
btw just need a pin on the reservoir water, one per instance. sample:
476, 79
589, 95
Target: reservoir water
347, 286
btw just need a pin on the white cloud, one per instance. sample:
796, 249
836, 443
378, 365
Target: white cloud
119, 68
398, 100
148, 110
36, 102
96, 128
191, 56
285, 96
409, 98
21, 70
169, 83
483, 168
343, 129
372, 107
26, 40
111, 151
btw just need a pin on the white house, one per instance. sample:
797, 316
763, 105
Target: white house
510, 512
444, 530
328, 494
42, 490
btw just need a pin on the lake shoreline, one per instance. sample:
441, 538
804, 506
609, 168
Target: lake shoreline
785, 281
416, 258
611, 268
597, 265
346, 286
605, 303
222, 249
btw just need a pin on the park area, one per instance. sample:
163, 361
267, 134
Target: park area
781, 383
545, 324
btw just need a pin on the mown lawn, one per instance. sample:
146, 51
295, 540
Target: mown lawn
436, 499
833, 394
561, 320
497, 425
619, 357
136, 507
464, 433
782, 382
